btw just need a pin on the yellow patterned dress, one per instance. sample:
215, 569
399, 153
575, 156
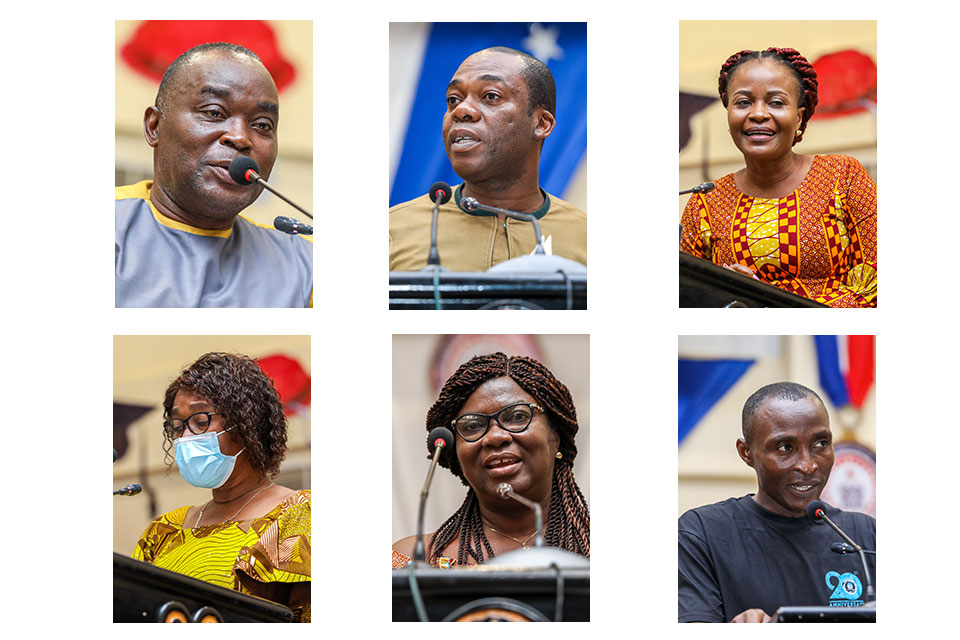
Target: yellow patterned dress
260, 557
820, 241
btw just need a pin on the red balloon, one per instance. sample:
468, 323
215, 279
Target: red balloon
847, 83
157, 43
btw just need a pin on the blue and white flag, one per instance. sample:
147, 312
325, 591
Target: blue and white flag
422, 159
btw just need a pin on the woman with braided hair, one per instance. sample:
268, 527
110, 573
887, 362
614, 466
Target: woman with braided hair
806, 224
514, 422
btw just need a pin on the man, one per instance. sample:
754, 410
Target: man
179, 240
743, 558
500, 109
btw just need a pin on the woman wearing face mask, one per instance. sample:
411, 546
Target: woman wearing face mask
513, 422
806, 224
225, 423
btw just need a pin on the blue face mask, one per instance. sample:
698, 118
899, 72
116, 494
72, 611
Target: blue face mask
201, 462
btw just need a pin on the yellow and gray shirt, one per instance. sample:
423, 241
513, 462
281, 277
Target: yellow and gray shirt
475, 241
160, 262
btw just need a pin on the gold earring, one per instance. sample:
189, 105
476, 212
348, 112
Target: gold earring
559, 455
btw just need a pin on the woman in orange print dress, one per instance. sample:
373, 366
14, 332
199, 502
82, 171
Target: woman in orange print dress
806, 224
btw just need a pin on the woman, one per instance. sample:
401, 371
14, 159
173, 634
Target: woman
513, 422
225, 421
806, 224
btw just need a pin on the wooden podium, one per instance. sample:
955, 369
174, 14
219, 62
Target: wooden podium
143, 592
704, 284
494, 594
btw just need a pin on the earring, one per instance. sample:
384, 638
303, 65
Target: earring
559, 455
799, 132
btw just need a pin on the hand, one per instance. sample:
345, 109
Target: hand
742, 270
752, 615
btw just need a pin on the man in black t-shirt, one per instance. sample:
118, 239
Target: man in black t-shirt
743, 558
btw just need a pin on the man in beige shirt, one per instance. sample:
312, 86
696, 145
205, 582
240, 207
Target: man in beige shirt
500, 106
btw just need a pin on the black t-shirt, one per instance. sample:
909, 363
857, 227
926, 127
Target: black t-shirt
735, 555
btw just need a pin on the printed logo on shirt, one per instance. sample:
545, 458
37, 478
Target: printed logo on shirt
846, 589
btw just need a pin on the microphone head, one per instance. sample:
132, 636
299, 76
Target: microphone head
503, 489
440, 190
468, 203
704, 187
239, 167
816, 509
133, 489
842, 548
440, 436
115, 456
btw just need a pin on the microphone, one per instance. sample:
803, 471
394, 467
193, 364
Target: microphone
437, 441
291, 226
115, 455
471, 204
505, 490
440, 194
843, 548
129, 490
817, 510
703, 187
244, 170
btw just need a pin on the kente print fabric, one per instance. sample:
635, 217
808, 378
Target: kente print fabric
247, 556
820, 241
400, 561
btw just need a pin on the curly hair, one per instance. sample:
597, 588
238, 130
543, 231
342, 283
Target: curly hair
804, 72
568, 524
244, 396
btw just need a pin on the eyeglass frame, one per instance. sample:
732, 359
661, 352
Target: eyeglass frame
495, 416
186, 423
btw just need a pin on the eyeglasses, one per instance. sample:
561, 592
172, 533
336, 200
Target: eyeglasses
513, 418
197, 423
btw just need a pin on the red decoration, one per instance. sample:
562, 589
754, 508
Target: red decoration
290, 380
157, 43
862, 350
847, 81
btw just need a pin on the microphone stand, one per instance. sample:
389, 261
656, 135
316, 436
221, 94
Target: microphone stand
471, 204
251, 174
505, 490
820, 514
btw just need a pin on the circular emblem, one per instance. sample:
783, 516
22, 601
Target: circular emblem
495, 610
853, 481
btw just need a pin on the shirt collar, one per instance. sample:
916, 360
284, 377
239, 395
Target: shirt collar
539, 213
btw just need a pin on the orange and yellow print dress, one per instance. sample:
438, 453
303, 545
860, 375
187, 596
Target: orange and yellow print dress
249, 556
819, 242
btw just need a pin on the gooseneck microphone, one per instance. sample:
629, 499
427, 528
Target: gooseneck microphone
471, 204
505, 490
291, 226
438, 440
244, 170
817, 511
703, 187
440, 194
129, 490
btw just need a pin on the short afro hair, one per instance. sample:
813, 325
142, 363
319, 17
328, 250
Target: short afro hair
781, 391
244, 396
540, 84
168, 76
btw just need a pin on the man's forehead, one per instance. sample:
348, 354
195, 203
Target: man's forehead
491, 66
779, 414
220, 69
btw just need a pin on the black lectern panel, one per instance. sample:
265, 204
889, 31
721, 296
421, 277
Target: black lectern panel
866, 613
704, 284
495, 595
143, 592
484, 290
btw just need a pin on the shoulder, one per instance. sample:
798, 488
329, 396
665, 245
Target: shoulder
406, 545
698, 520
138, 191
409, 206
560, 207
839, 164
169, 522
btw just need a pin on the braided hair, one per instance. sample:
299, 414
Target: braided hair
568, 522
804, 72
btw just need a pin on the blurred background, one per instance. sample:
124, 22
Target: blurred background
143, 367
423, 59
844, 54
716, 375
144, 50
421, 364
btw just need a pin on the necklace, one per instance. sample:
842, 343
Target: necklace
238, 511
523, 543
